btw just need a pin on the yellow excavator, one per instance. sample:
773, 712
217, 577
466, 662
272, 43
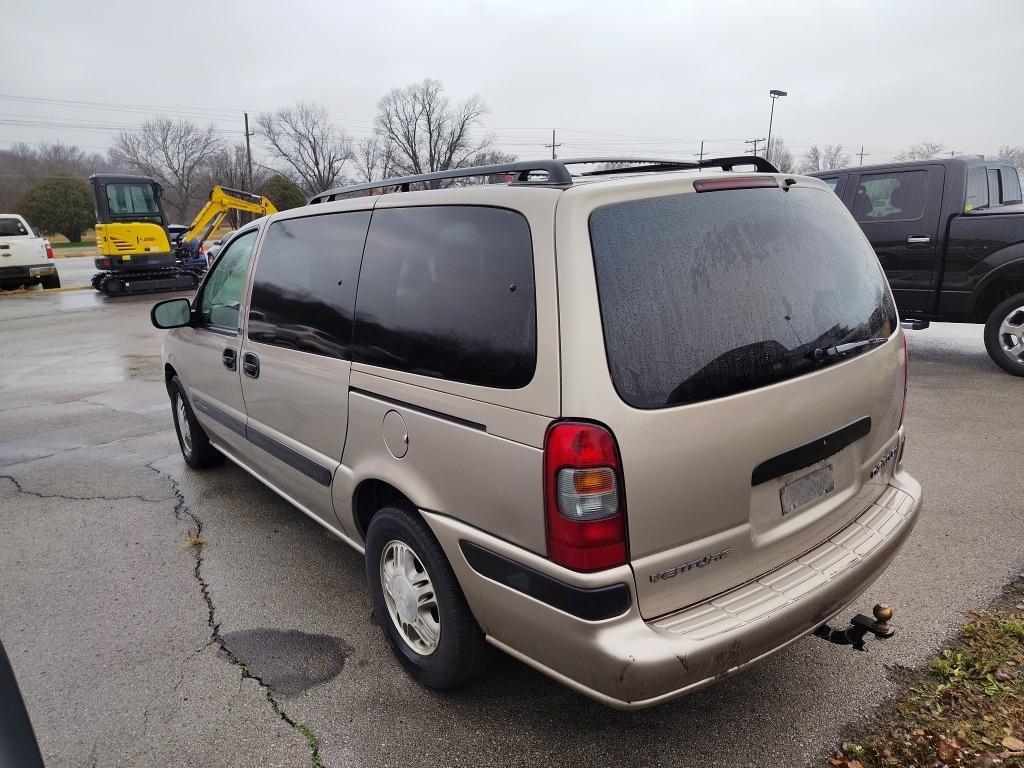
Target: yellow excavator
139, 252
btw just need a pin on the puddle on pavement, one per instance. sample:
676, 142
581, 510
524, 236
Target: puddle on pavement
289, 661
144, 367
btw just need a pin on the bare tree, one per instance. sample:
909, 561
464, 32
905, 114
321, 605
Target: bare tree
229, 167
173, 151
923, 151
312, 150
427, 132
829, 157
374, 159
779, 154
1013, 154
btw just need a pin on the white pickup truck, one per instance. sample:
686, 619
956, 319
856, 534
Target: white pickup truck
25, 258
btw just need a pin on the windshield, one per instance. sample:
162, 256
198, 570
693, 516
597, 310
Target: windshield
11, 227
708, 294
133, 201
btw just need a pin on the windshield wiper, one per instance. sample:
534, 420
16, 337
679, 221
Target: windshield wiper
841, 350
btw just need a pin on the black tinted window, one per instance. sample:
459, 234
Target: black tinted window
977, 188
12, 228
708, 294
994, 191
448, 292
1011, 185
890, 196
305, 283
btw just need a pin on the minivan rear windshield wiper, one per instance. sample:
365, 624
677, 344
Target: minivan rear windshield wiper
841, 350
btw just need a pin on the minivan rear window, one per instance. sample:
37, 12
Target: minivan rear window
709, 294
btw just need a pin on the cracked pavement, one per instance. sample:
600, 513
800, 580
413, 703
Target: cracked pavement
255, 644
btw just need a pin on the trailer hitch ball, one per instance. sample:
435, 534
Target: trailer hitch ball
860, 626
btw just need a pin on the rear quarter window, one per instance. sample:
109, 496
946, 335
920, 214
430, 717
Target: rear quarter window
708, 294
448, 292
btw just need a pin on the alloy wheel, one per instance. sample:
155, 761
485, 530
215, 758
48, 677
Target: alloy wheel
410, 597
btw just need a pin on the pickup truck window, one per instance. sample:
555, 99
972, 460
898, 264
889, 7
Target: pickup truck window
977, 188
995, 192
10, 227
1011, 185
895, 196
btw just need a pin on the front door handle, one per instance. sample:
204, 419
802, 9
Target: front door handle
251, 365
229, 357
918, 240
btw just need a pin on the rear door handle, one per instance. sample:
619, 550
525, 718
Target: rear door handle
230, 358
919, 240
251, 365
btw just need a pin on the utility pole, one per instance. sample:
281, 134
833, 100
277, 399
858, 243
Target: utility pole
953, 152
701, 155
862, 154
248, 155
553, 145
754, 142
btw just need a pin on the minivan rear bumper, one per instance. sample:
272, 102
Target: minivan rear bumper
629, 663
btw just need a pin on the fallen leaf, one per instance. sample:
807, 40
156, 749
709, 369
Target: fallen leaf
1013, 744
947, 751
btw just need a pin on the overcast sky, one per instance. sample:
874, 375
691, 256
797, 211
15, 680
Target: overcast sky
615, 78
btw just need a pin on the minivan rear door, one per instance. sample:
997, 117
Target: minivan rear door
295, 359
744, 436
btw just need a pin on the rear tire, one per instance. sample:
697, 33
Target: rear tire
1004, 335
192, 438
439, 642
50, 281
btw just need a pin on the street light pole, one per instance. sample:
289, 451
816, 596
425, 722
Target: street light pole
774, 93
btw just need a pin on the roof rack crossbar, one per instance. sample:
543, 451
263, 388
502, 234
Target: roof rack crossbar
557, 172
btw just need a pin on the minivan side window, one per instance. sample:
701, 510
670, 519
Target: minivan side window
896, 196
977, 188
222, 292
448, 292
304, 288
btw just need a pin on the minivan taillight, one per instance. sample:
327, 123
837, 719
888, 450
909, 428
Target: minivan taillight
584, 500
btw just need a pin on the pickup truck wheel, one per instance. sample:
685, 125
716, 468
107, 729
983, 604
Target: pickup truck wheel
192, 438
418, 603
51, 281
1004, 335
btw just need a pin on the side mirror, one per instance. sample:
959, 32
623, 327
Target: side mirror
173, 313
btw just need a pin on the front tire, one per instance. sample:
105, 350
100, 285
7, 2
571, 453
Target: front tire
1004, 335
192, 438
419, 604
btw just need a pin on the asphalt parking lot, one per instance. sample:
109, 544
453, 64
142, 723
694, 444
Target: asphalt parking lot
134, 649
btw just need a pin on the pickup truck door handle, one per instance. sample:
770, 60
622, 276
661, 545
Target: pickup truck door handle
918, 240
251, 365
229, 357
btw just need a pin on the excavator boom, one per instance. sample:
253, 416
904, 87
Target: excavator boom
222, 201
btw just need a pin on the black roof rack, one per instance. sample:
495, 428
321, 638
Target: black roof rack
556, 172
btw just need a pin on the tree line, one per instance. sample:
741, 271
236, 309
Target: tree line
299, 151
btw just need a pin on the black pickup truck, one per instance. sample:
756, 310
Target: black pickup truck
950, 236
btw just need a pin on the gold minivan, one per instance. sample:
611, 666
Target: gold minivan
637, 426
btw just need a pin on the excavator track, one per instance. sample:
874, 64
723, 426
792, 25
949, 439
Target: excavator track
127, 283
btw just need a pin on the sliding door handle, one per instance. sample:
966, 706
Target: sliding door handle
251, 365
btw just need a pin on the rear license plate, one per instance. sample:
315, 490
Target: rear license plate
806, 489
